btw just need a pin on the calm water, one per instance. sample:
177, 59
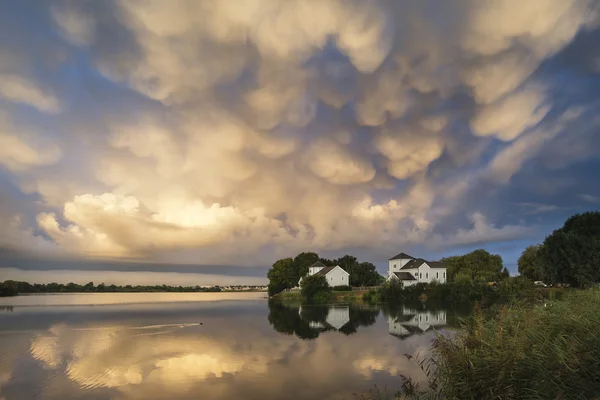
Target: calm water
203, 346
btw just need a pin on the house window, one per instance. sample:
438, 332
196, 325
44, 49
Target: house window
342, 278
444, 275
420, 274
427, 275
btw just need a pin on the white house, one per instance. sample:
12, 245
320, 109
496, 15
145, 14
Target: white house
415, 322
410, 270
336, 276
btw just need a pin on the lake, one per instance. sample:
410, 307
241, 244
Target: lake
130, 346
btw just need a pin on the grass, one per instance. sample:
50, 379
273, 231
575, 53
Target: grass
524, 352
355, 296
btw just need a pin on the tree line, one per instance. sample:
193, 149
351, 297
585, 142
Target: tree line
569, 255
286, 272
12, 288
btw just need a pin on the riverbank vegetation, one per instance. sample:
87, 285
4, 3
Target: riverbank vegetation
523, 352
332, 296
464, 292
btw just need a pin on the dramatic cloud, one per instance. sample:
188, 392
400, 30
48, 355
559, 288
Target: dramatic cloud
237, 132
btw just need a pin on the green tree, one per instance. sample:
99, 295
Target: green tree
571, 254
348, 263
480, 265
364, 274
313, 285
8, 288
361, 273
301, 263
281, 275
529, 263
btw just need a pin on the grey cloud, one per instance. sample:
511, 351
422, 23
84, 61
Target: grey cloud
191, 128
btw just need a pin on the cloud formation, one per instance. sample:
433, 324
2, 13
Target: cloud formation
237, 132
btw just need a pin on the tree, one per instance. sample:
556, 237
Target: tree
313, 285
361, 273
8, 288
571, 254
364, 274
529, 263
480, 265
301, 263
281, 275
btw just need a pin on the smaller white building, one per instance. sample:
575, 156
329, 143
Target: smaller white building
410, 270
336, 275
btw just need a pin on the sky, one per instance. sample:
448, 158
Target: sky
191, 141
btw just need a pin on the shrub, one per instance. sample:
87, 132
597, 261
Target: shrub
372, 296
392, 290
342, 288
321, 297
312, 285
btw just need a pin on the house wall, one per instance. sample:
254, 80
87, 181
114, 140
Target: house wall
314, 270
395, 265
426, 274
338, 277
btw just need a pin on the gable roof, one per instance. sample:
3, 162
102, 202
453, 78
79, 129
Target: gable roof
318, 264
419, 261
401, 256
436, 264
327, 270
405, 276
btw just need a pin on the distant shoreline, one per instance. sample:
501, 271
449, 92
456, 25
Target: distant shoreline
15, 288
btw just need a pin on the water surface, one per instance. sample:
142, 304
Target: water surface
129, 346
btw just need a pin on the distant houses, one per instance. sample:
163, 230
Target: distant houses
335, 275
410, 270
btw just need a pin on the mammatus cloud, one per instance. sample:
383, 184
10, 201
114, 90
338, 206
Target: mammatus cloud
241, 131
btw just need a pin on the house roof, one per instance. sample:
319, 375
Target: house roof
318, 264
436, 264
326, 270
401, 256
419, 261
405, 276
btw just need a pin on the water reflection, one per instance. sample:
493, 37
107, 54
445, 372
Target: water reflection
221, 350
308, 321
404, 322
